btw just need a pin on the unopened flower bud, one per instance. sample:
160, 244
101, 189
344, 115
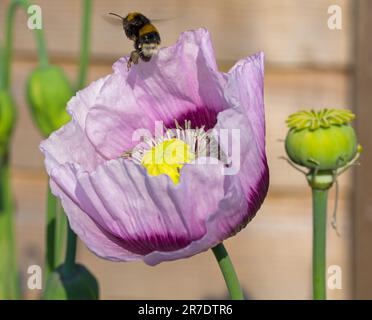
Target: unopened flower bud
48, 91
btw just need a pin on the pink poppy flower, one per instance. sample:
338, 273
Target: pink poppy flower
122, 204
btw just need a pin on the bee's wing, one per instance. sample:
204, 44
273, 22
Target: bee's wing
117, 21
114, 20
161, 20
167, 19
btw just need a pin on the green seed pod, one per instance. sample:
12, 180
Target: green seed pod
48, 91
8, 116
79, 285
322, 140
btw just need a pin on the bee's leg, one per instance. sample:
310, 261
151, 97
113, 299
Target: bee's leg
134, 56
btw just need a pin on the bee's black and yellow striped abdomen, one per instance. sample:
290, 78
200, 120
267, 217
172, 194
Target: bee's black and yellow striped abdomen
149, 34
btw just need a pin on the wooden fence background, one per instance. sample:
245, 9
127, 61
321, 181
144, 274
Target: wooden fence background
307, 66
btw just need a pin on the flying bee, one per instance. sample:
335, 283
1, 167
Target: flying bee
143, 33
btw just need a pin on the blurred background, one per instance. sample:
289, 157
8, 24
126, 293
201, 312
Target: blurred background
308, 65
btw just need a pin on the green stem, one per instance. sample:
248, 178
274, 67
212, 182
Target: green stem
56, 218
70, 263
61, 233
228, 272
50, 233
55, 233
319, 243
39, 37
7, 55
84, 43
70, 259
9, 284
2, 66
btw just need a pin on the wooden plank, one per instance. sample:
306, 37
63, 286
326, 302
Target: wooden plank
362, 207
291, 32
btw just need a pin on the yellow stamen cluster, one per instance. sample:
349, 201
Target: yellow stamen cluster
168, 157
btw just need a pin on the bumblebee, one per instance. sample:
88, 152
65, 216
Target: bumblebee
143, 33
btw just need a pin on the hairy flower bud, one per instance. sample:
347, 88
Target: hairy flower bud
48, 91
322, 140
7, 120
79, 285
